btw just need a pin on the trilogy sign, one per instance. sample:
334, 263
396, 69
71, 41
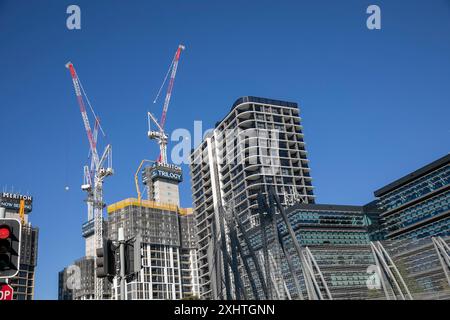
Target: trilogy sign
12, 201
167, 174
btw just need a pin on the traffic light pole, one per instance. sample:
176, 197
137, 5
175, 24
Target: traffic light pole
121, 239
10, 236
130, 260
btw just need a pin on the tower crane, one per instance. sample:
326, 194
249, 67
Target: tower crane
160, 135
94, 176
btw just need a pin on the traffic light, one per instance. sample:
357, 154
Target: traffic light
106, 260
10, 232
133, 257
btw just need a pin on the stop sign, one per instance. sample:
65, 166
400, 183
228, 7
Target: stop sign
6, 292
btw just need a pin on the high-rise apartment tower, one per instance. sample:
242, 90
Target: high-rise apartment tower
258, 145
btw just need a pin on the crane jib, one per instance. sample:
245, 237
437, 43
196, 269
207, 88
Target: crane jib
84, 116
77, 87
161, 137
170, 86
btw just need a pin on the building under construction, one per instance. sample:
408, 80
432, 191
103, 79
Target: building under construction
168, 244
167, 232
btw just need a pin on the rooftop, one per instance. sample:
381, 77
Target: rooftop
325, 207
147, 204
251, 99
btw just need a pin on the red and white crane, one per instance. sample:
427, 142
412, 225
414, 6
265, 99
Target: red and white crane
95, 175
160, 135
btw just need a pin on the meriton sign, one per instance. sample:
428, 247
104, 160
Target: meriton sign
12, 201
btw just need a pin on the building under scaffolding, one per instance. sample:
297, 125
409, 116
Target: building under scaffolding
169, 255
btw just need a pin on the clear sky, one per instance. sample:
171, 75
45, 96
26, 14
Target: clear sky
374, 104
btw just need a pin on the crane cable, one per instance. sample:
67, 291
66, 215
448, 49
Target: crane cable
90, 106
97, 120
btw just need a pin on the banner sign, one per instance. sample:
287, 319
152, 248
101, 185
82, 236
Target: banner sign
167, 175
11, 201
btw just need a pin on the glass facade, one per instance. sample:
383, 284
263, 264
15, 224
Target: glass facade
337, 237
420, 266
414, 211
418, 205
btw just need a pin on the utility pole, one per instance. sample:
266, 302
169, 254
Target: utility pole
121, 239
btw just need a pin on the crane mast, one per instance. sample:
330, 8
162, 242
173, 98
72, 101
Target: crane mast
93, 176
160, 135
89, 176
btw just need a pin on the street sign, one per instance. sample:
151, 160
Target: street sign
6, 292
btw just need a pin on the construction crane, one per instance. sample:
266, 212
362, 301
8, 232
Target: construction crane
160, 135
93, 177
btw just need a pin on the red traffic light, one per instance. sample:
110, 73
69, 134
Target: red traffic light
5, 232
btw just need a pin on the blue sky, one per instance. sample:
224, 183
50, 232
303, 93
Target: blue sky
374, 104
